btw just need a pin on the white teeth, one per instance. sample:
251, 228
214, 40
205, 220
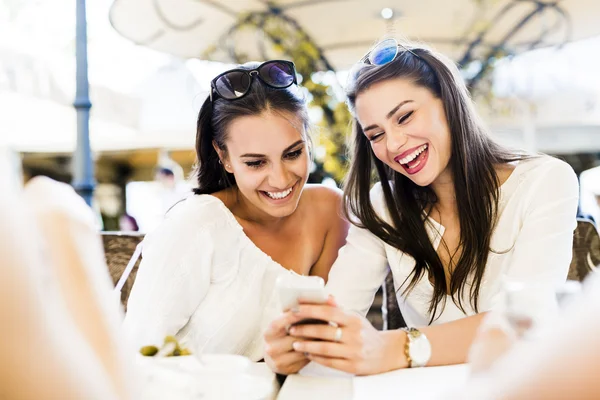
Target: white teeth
413, 155
279, 195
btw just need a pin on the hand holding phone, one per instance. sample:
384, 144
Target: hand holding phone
293, 287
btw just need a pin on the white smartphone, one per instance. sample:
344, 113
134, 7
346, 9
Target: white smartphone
292, 287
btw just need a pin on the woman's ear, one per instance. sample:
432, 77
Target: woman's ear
223, 159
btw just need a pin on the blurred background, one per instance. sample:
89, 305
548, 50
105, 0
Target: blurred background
109, 102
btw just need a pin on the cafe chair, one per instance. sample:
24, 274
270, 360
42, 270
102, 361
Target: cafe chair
586, 250
119, 248
392, 317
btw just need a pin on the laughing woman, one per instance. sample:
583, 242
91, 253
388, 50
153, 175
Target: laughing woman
208, 272
454, 215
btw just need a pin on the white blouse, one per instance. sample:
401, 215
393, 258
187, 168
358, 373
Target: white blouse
532, 242
204, 281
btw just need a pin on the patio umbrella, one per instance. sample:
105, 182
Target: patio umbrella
342, 30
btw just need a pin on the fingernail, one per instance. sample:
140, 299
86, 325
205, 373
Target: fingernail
295, 309
292, 331
296, 346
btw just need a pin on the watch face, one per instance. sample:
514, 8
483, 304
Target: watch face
420, 351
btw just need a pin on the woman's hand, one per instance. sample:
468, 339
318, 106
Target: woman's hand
494, 338
354, 346
279, 353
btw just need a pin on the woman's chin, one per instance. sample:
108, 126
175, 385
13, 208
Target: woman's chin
422, 178
422, 181
278, 208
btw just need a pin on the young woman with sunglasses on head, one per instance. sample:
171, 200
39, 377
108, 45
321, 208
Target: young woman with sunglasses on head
453, 215
208, 272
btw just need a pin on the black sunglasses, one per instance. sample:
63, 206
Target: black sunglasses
235, 83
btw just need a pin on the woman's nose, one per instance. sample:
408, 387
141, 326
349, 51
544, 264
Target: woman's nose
395, 141
279, 177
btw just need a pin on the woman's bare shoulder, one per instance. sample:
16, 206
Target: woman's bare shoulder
321, 198
322, 206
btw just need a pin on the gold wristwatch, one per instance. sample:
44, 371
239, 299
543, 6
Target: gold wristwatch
417, 348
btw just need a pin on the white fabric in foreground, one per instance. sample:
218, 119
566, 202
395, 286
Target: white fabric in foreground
73, 249
204, 281
50, 347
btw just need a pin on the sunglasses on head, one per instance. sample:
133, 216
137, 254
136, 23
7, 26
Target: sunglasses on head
235, 83
385, 52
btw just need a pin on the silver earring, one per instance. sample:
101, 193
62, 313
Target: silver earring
220, 161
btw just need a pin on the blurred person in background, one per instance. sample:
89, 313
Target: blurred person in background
128, 224
208, 271
148, 202
172, 185
454, 215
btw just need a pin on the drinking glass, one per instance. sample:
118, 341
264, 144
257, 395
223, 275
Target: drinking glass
529, 306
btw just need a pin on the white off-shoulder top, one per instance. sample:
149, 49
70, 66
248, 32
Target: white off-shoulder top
203, 281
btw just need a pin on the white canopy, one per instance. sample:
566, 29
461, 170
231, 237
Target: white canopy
38, 115
344, 29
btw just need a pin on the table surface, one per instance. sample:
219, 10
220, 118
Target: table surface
261, 369
316, 383
402, 383
183, 378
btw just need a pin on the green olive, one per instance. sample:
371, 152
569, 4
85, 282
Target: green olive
149, 351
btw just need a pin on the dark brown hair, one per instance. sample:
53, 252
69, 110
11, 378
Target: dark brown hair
472, 162
216, 116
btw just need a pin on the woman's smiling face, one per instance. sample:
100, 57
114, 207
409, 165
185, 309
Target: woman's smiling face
268, 156
407, 128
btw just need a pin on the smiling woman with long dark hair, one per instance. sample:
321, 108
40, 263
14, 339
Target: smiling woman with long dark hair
453, 215
208, 272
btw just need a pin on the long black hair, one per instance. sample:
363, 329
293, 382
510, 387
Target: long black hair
216, 116
474, 156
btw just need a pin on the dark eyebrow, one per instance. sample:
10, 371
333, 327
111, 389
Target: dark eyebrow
301, 141
389, 114
290, 147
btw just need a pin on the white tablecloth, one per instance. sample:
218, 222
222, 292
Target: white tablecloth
420, 383
183, 379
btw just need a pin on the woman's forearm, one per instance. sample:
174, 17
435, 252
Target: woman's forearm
450, 342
